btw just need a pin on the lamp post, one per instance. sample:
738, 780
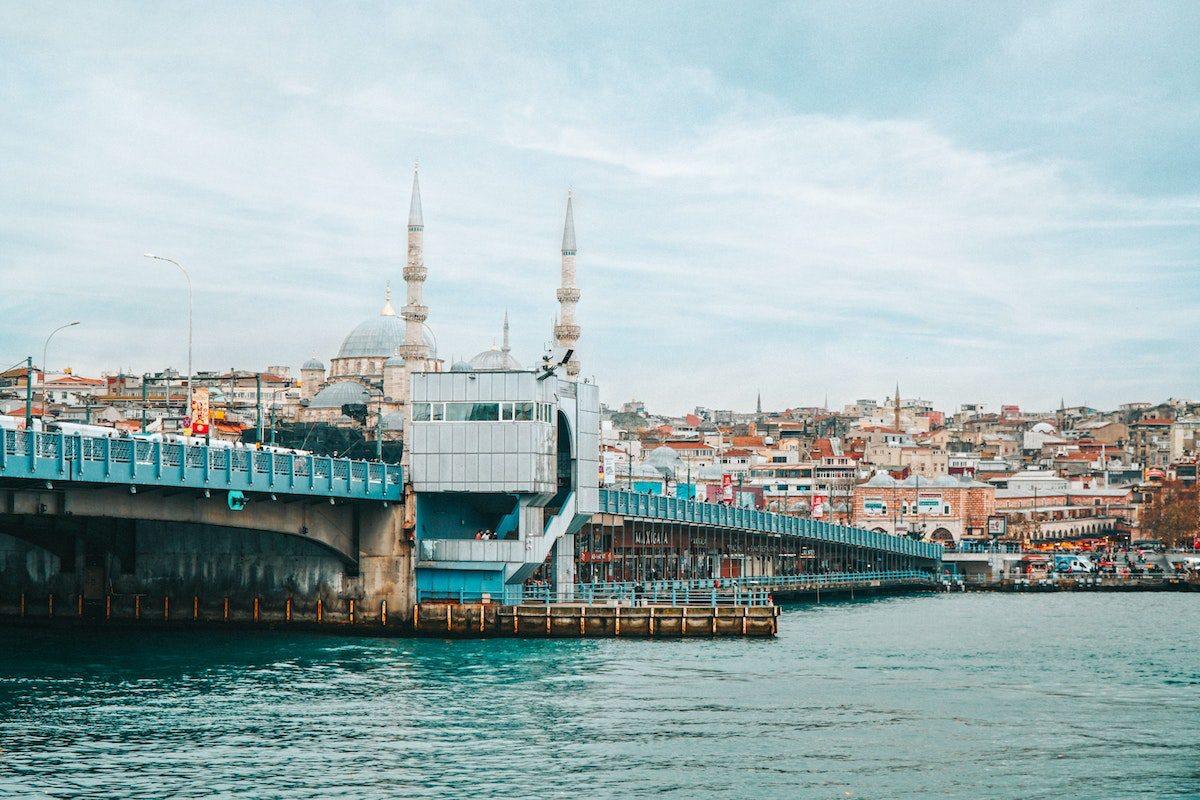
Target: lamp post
45, 349
187, 278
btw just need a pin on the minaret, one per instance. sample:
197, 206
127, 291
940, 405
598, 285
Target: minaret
566, 331
504, 348
414, 313
758, 405
896, 410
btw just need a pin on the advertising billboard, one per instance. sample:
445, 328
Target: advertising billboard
199, 420
820, 504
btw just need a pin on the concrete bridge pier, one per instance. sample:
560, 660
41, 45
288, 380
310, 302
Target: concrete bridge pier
156, 556
384, 580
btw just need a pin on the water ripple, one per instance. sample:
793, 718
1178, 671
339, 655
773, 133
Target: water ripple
961, 696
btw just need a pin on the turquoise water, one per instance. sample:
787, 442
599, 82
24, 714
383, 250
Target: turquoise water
962, 696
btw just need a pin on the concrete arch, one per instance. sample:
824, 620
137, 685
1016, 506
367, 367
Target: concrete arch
338, 528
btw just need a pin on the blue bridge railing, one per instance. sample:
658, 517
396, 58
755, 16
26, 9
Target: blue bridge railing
631, 594
749, 591
135, 461
653, 506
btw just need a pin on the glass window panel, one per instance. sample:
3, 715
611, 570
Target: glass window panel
484, 412
458, 412
420, 412
523, 412
506, 411
438, 411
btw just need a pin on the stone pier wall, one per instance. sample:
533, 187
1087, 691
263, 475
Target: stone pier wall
158, 571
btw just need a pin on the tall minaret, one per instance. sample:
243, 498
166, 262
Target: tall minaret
504, 347
414, 313
566, 331
896, 410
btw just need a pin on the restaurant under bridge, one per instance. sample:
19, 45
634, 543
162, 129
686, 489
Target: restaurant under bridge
651, 539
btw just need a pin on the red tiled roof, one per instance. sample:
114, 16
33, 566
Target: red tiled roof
693, 444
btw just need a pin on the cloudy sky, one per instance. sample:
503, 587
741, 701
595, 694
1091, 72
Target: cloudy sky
997, 205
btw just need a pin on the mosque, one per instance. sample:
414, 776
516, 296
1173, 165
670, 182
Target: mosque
376, 361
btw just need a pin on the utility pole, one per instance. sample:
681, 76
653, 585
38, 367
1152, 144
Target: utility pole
258, 415
145, 381
188, 279
379, 435
29, 391
45, 372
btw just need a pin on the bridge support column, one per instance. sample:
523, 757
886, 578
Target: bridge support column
385, 564
562, 567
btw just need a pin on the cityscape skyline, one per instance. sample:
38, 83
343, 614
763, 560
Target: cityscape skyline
800, 218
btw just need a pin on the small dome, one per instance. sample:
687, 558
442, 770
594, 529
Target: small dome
1043, 427
460, 366
494, 360
336, 395
396, 360
663, 456
312, 363
393, 421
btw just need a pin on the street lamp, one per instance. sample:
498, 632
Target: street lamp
187, 278
45, 348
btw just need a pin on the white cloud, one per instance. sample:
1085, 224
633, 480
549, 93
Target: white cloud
729, 241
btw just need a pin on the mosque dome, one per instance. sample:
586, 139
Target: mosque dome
393, 421
380, 336
460, 366
313, 363
494, 359
395, 360
336, 395
1043, 427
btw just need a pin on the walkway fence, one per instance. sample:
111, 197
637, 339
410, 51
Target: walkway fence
660, 507
754, 591
144, 461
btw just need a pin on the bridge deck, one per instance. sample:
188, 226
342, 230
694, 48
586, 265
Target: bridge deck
56, 457
650, 506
